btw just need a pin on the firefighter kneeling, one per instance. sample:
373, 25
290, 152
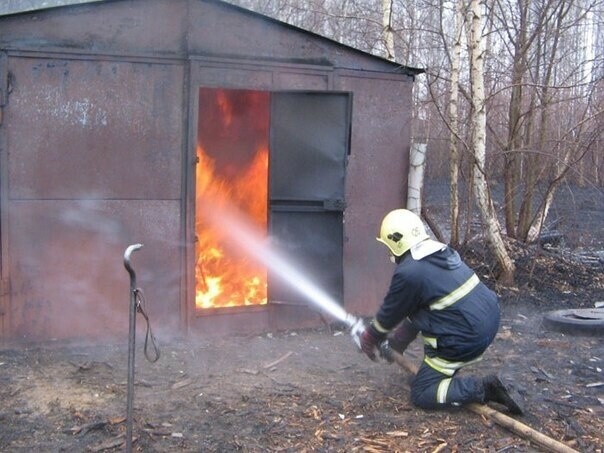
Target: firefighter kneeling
434, 292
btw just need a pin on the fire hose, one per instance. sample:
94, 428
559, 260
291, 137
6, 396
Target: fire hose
357, 327
137, 304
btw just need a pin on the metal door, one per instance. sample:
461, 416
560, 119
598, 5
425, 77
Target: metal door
309, 145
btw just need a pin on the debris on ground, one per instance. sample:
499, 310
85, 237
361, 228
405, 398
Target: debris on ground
310, 390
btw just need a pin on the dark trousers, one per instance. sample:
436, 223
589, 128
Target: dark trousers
432, 389
438, 384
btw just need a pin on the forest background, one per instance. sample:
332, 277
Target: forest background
512, 95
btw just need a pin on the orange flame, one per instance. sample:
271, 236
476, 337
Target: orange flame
224, 276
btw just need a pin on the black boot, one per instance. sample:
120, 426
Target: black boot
495, 390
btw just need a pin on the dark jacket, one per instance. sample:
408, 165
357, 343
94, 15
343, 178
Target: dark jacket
461, 329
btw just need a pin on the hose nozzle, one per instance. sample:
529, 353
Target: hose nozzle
357, 327
386, 351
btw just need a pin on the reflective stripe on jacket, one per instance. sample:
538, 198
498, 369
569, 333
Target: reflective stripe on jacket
446, 301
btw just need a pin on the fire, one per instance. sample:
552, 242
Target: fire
224, 276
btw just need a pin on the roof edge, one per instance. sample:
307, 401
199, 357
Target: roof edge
53, 4
408, 70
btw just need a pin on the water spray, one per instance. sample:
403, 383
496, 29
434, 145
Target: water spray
254, 243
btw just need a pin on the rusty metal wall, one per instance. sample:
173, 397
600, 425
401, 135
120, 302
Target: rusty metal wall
254, 37
376, 181
97, 152
152, 27
94, 163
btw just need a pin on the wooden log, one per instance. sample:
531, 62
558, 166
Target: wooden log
501, 419
279, 360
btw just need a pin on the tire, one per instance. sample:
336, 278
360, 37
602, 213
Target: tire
586, 321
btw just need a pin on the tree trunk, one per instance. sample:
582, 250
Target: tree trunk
485, 202
417, 163
511, 168
455, 161
530, 229
560, 170
388, 32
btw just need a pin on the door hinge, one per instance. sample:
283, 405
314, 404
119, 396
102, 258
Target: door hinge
334, 205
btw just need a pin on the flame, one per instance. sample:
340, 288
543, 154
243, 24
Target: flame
224, 275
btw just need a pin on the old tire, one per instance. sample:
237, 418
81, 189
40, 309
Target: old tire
581, 321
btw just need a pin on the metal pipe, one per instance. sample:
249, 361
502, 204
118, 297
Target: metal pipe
131, 343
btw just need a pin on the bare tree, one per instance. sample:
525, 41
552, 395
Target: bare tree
549, 61
388, 31
485, 202
542, 92
454, 123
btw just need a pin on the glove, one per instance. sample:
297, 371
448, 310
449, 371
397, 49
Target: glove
370, 341
402, 337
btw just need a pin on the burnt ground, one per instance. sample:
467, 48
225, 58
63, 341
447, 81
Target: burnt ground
310, 390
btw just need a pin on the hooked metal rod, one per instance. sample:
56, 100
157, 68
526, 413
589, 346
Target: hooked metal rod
131, 343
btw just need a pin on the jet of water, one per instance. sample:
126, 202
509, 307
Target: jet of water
246, 236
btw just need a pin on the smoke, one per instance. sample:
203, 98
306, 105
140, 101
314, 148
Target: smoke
86, 216
68, 277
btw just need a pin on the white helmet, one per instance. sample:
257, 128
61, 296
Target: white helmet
401, 229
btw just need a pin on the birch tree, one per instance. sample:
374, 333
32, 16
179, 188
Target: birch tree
388, 32
454, 124
540, 85
478, 133
551, 56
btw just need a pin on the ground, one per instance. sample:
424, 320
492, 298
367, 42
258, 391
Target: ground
310, 390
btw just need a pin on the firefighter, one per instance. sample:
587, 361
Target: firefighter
433, 292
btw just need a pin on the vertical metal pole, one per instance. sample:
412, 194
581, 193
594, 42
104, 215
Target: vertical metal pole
131, 343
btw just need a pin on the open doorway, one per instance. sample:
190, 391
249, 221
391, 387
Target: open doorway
232, 153
279, 159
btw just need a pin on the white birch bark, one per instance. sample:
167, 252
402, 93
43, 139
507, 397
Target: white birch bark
485, 202
417, 164
388, 32
454, 124
537, 226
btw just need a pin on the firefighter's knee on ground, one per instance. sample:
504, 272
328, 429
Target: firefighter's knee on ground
423, 397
